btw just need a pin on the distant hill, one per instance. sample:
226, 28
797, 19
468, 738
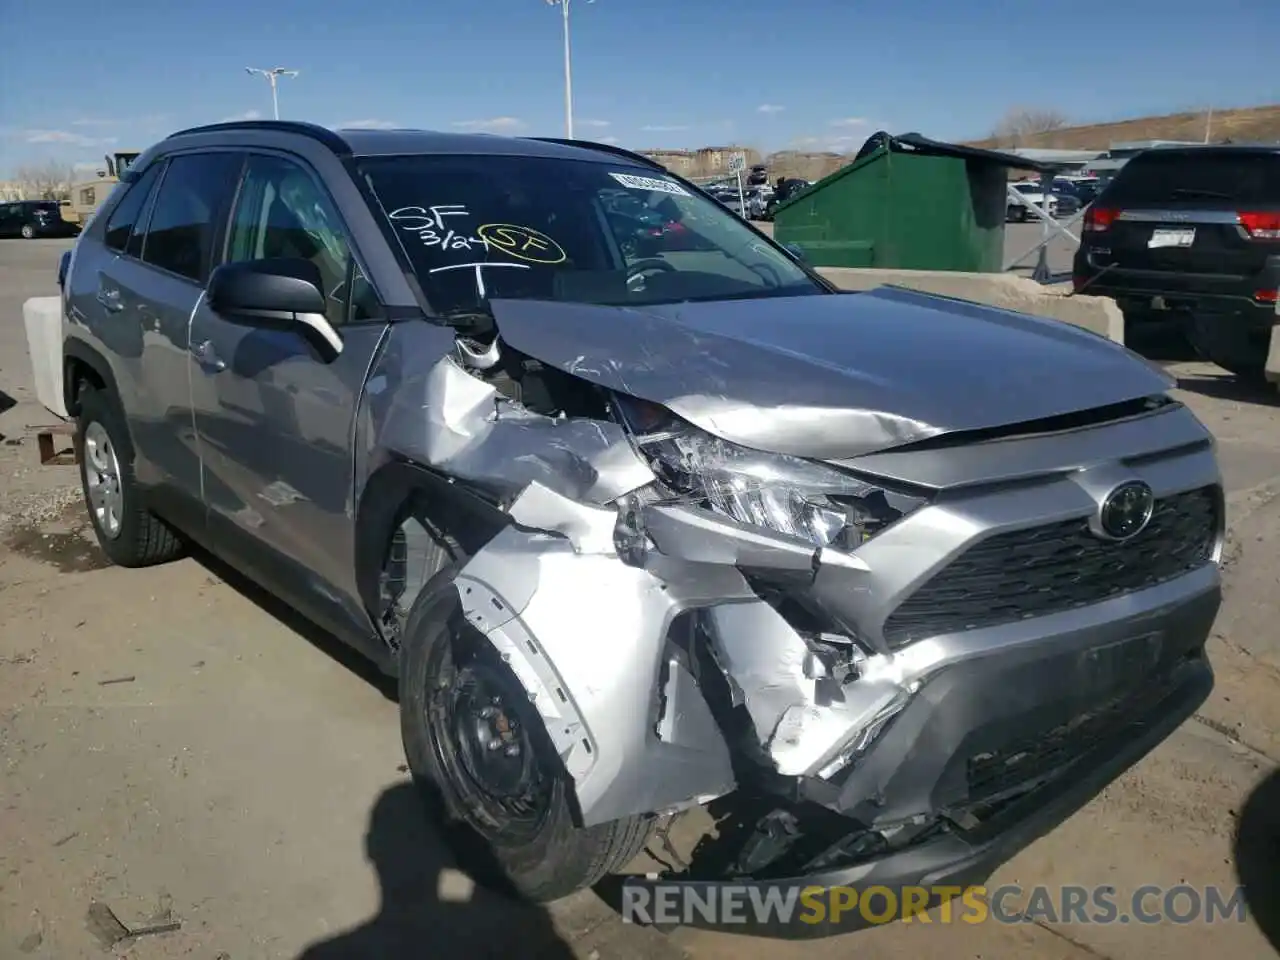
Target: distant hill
1241, 124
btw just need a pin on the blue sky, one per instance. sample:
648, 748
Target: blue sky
801, 73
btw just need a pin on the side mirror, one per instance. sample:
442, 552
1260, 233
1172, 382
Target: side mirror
796, 251
283, 293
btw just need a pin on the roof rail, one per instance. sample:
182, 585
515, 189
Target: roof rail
603, 148
316, 132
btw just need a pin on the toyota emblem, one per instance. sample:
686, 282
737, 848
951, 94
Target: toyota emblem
1126, 511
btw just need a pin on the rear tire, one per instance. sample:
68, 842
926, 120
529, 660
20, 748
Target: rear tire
1242, 352
495, 778
28, 232
128, 533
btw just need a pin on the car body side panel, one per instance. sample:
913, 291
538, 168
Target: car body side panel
277, 426
144, 337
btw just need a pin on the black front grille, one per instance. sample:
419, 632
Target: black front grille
1043, 570
1045, 753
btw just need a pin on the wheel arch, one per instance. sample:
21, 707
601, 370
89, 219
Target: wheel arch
82, 363
401, 489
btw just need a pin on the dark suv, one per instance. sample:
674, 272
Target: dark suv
30, 219
1192, 234
639, 526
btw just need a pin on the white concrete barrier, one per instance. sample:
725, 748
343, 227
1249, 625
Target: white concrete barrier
1006, 290
42, 317
1272, 367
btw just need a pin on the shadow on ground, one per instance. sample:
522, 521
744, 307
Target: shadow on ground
6, 402
317, 636
1257, 853
1228, 387
428, 910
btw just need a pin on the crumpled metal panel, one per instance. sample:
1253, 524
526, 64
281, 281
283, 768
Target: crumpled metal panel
834, 376
588, 636
425, 407
804, 719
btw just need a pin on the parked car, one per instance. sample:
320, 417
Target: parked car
638, 531
759, 175
1033, 192
787, 189
1066, 202
30, 219
1084, 189
637, 225
756, 200
1192, 235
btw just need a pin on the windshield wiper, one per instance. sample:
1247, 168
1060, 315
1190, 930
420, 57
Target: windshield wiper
1198, 192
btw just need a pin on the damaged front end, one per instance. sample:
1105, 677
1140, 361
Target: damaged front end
700, 623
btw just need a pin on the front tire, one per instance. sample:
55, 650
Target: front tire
128, 533
483, 760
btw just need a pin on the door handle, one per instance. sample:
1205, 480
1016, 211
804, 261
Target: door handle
207, 357
110, 299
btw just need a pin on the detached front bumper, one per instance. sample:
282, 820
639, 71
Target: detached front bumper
997, 752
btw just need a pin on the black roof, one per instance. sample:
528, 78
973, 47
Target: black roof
1211, 149
374, 143
915, 143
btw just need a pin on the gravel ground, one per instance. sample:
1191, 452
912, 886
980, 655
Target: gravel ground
172, 739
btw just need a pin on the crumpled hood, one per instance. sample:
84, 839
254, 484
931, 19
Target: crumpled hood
833, 376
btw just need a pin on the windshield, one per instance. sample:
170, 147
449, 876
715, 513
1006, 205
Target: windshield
538, 228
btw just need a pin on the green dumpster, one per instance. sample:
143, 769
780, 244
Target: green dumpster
905, 203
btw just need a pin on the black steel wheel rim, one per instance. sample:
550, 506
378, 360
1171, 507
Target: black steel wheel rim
480, 725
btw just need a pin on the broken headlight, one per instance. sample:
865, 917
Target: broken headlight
785, 494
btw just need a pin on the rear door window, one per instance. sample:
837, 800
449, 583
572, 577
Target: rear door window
126, 213
189, 210
1205, 179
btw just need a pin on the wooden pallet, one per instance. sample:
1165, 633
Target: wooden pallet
50, 455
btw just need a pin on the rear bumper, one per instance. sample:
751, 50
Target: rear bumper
1163, 291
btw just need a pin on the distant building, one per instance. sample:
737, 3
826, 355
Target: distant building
1120, 152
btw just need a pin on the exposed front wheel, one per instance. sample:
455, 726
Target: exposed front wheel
478, 750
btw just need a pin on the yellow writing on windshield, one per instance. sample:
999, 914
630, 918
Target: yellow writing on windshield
524, 243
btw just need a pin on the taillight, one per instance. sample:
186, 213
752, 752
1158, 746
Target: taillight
1098, 219
1267, 296
1261, 226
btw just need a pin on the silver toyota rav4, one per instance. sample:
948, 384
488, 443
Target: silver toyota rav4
642, 512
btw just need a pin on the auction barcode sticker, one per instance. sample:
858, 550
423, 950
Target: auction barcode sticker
650, 183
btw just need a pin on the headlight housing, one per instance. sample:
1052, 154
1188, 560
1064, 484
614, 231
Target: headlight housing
788, 495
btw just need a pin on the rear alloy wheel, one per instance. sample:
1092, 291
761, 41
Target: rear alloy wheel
28, 232
480, 754
128, 533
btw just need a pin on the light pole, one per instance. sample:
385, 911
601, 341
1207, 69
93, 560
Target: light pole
568, 69
272, 76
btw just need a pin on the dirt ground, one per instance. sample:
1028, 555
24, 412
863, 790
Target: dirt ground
175, 744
